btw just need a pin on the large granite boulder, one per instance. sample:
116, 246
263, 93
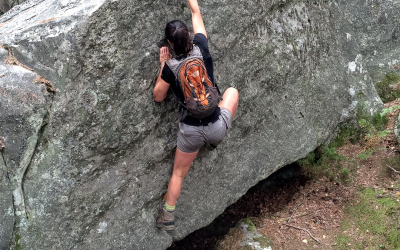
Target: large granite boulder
23, 110
88, 162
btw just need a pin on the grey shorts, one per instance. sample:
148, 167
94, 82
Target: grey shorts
192, 138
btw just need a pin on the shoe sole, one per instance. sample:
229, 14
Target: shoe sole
166, 228
169, 228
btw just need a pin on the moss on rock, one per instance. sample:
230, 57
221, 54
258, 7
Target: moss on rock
251, 227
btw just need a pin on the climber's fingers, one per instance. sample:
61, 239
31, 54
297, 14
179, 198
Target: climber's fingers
164, 54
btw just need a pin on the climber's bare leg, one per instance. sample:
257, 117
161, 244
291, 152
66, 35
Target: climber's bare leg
184, 160
230, 100
181, 167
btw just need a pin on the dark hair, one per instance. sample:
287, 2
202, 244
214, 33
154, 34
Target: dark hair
178, 34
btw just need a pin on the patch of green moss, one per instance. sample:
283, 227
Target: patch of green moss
251, 227
248, 248
343, 241
18, 246
384, 89
264, 242
375, 221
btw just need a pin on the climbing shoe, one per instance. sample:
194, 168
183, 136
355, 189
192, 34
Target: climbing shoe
165, 220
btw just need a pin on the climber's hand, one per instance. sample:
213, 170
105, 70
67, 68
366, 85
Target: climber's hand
164, 55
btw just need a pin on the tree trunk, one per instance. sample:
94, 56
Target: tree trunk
4, 5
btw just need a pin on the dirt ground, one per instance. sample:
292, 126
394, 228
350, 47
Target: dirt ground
317, 206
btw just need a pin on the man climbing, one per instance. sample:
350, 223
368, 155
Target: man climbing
204, 118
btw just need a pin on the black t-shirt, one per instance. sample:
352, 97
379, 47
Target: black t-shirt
200, 40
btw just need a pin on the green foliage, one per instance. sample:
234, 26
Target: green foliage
345, 174
327, 162
362, 111
389, 110
349, 133
384, 133
366, 121
385, 90
365, 154
365, 124
376, 221
310, 158
371, 127
379, 121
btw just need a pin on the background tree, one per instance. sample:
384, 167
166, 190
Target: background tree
6, 5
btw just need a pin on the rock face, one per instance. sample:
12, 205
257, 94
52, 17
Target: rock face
244, 236
397, 128
87, 166
23, 108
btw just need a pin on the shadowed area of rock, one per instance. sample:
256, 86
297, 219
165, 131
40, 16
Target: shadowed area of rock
88, 165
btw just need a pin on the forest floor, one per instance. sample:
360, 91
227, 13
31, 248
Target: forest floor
361, 212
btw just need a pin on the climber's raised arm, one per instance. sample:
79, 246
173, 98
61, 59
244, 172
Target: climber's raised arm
161, 89
197, 20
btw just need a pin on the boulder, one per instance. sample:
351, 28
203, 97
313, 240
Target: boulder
6, 207
23, 108
397, 128
244, 236
89, 153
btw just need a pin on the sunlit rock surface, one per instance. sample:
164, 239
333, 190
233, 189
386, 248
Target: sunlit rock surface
87, 166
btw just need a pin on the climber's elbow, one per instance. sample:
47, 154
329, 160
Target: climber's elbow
160, 90
158, 98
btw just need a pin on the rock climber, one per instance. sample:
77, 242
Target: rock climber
194, 132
